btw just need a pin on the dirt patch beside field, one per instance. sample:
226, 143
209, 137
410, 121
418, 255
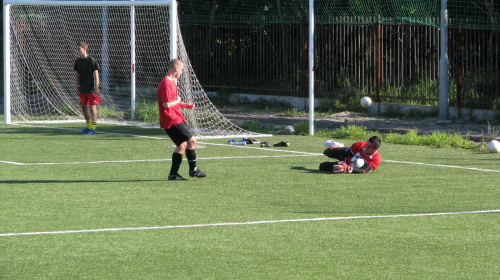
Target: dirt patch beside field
476, 131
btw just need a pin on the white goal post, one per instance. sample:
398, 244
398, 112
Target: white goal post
133, 41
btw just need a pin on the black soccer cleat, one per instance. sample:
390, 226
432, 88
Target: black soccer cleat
197, 173
266, 144
176, 177
282, 144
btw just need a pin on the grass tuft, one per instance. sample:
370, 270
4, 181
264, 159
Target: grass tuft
437, 139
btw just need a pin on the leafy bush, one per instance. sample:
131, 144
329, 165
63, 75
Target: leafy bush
147, 112
346, 132
437, 139
106, 111
301, 128
257, 126
294, 112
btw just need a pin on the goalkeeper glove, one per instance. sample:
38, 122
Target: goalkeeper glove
341, 167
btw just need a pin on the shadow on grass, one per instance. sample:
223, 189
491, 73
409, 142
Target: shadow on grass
73, 181
104, 131
301, 168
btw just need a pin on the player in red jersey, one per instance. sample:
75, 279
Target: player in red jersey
174, 123
368, 151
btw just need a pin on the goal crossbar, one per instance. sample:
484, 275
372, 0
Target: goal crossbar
91, 3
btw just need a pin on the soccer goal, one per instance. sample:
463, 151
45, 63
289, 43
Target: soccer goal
133, 41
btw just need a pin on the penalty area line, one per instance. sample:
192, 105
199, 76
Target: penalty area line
250, 223
446, 166
237, 157
260, 148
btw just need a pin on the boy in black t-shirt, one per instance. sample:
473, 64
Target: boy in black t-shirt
87, 86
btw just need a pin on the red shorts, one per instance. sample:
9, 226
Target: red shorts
89, 99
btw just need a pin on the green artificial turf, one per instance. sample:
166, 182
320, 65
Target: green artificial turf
76, 206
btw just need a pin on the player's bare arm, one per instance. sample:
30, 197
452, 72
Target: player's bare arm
171, 104
77, 83
96, 83
187, 105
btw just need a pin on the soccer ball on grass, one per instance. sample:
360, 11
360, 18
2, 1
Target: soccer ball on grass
494, 146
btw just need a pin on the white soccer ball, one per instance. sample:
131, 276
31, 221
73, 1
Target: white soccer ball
494, 146
289, 129
357, 162
330, 143
366, 101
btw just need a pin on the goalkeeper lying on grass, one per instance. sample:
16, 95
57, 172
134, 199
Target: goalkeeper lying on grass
361, 157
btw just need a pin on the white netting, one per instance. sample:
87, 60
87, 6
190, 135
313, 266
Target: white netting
43, 52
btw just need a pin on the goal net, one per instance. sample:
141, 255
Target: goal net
133, 45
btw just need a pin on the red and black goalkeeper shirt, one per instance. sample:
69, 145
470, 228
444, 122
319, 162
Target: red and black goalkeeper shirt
358, 148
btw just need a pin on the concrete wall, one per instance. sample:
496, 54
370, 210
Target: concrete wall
454, 113
300, 103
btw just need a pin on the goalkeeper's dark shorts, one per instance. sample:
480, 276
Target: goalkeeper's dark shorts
337, 153
179, 133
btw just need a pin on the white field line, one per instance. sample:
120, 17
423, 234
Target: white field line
12, 162
249, 223
259, 148
238, 157
442, 165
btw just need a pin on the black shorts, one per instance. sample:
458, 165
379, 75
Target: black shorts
337, 153
179, 133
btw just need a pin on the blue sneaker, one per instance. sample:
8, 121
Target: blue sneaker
91, 131
250, 141
86, 130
